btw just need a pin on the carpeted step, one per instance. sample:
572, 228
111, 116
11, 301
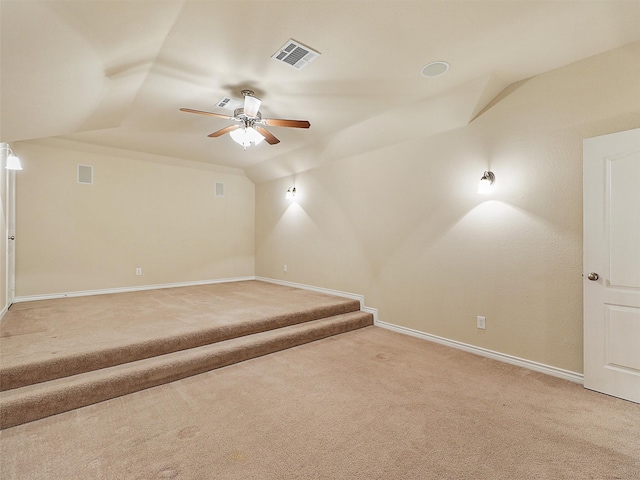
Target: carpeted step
33, 402
20, 372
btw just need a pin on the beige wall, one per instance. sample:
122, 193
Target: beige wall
162, 217
404, 225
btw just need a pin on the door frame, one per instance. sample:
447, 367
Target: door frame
11, 230
8, 246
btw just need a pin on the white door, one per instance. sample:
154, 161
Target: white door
612, 264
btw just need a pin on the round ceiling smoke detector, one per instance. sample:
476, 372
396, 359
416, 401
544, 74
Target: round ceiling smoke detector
434, 69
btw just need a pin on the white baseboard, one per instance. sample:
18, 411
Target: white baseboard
106, 291
502, 357
328, 291
372, 311
355, 296
520, 362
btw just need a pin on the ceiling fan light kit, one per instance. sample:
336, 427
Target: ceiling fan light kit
250, 126
246, 136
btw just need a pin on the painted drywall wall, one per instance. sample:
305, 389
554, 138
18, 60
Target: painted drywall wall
159, 216
405, 226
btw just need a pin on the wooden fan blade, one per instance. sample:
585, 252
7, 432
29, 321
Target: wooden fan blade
268, 136
279, 122
200, 112
224, 130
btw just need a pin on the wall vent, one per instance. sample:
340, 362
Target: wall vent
295, 54
229, 103
219, 189
85, 174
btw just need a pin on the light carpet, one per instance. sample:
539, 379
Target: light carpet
367, 404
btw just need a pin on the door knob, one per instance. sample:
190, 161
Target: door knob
593, 276
12, 237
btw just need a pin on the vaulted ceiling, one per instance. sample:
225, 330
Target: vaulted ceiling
115, 73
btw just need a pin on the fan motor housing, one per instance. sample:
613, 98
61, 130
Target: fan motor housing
239, 114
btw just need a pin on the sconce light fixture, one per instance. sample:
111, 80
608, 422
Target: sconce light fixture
13, 162
487, 180
291, 193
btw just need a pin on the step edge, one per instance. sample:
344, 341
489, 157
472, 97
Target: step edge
224, 345
10, 401
14, 376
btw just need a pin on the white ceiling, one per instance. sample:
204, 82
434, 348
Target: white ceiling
115, 73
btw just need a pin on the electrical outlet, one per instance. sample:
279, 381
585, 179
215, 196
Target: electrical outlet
481, 322
285, 268
139, 271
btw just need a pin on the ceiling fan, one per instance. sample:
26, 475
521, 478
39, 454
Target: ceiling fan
249, 128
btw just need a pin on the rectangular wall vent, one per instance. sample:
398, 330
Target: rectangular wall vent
219, 189
85, 174
295, 54
229, 103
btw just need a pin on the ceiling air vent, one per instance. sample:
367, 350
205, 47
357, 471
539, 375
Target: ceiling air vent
229, 103
295, 54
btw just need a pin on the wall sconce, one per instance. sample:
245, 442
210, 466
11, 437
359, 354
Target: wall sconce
291, 193
13, 162
487, 180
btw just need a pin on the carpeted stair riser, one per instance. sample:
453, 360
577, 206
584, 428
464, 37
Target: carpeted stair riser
23, 375
41, 400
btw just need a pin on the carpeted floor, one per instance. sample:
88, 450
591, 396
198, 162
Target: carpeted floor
367, 404
67, 353
105, 326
